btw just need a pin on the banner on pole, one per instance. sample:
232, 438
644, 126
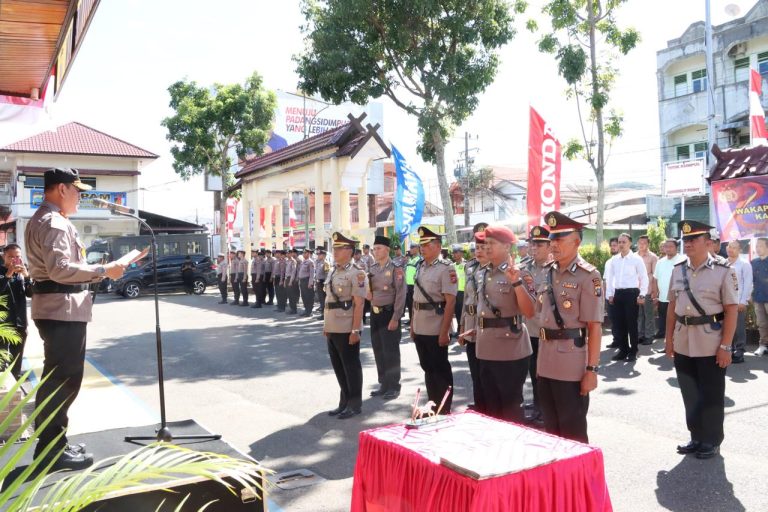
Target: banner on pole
741, 207
409, 197
544, 161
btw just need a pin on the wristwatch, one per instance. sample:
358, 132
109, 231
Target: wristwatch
593, 369
726, 348
356, 331
101, 270
517, 283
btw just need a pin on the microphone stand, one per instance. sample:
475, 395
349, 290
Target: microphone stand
163, 433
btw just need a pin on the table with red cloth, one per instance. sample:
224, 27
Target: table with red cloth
400, 469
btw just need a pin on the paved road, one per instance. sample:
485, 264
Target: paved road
266, 383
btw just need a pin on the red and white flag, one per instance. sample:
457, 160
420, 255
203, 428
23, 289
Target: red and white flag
291, 223
544, 158
231, 216
758, 134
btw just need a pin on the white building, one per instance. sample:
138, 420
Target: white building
111, 166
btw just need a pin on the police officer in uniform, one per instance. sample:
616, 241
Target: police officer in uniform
61, 309
399, 258
257, 278
278, 278
701, 320
269, 286
346, 288
570, 312
469, 314
503, 347
243, 274
292, 281
234, 277
222, 271
387, 284
410, 272
306, 282
434, 296
321, 274
536, 264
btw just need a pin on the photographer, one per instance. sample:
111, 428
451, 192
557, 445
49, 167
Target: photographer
15, 288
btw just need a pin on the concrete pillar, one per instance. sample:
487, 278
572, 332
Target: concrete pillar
344, 210
362, 208
319, 206
268, 228
256, 202
335, 195
278, 208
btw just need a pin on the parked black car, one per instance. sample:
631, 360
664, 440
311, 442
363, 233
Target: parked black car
138, 278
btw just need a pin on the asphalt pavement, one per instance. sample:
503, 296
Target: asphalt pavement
263, 380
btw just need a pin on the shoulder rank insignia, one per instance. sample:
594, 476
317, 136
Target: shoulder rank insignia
597, 284
585, 265
452, 275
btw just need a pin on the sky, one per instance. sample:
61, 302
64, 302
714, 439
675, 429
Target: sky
135, 49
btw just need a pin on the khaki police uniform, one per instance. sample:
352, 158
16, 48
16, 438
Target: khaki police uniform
344, 283
321, 274
269, 286
562, 361
387, 284
235, 276
222, 271
714, 285
61, 309
539, 275
503, 346
468, 322
306, 275
278, 277
257, 279
431, 282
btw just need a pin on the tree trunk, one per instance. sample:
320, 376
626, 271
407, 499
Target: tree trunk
598, 165
442, 181
223, 220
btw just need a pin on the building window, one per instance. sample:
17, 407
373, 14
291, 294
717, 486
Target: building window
700, 150
683, 152
681, 85
741, 69
743, 140
699, 80
762, 63
39, 182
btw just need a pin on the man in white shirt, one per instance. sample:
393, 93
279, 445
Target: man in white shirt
662, 275
627, 285
744, 276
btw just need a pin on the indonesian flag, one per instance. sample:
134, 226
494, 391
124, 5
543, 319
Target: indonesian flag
26, 111
757, 132
291, 222
544, 156
231, 216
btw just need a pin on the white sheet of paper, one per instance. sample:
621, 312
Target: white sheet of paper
132, 256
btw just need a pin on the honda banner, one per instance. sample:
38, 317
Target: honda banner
543, 170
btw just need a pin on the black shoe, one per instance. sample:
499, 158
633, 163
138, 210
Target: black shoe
76, 448
632, 356
612, 345
646, 341
348, 413
378, 392
658, 336
244, 304
690, 447
306, 314
256, 306
337, 411
70, 459
737, 359
620, 356
235, 303
707, 451
390, 395
222, 302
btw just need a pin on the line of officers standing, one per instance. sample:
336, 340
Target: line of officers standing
540, 318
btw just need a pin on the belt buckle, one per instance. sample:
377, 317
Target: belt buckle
376, 309
685, 320
481, 322
543, 334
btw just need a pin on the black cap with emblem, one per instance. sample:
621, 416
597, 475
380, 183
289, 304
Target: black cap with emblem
480, 226
426, 235
382, 240
64, 175
561, 225
340, 240
538, 234
693, 228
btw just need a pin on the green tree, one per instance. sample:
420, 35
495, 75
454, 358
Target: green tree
213, 124
430, 57
656, 235
586, 40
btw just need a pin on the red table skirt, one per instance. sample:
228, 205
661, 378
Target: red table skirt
396, 472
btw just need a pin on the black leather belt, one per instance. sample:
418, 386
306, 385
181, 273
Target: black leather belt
700, 320
54, 287
471, 309
426, 306
345, 305
321, 281
383, 309
562, 334
511, 322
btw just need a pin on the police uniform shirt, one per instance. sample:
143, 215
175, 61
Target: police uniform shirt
579, 295
56, 253
388, 286
269, 261
348, 281
306, 268
400, 261
539, 274
714, 285
500, 343
367, 260
436, 279
257, 268
321, 270
469, 313
290, 271
234, 267
280, 270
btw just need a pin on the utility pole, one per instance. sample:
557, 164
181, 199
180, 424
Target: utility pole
463, 174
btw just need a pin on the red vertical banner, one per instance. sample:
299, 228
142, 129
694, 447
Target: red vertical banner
544, 159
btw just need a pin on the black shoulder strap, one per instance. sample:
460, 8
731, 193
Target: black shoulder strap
421, 289
551, 292
690, 293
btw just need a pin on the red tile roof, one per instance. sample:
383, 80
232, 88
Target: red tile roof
78, 139
739, 163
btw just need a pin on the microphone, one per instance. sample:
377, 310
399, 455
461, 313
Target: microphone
114, 207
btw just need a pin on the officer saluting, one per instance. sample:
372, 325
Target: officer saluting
61, 309
570, 312
701, 320
346, 288
387, 283
434, 296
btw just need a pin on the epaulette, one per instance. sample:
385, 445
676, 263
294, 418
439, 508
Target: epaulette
722, 263
396, 265
358, 267
586, 265
549, 263
58, 221
446, 262
681, 263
